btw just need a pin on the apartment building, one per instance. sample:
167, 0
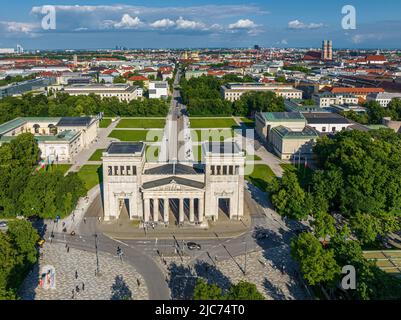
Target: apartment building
327, 99
122, 92
158, 90
234, 91
384, 98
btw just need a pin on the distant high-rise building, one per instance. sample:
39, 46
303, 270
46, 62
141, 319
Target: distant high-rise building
256, 47
20, 49
75, 60
327, 50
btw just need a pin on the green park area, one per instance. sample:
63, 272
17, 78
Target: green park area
97, 155
141, 123
261, 176
211, 135
137, 135
199, 123
250, 123
104, 123
63, 168
91, 174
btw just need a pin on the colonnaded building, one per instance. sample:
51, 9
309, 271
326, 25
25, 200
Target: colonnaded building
185, 192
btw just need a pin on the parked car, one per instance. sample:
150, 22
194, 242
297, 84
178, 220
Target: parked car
3, 224
194, 246
41, 242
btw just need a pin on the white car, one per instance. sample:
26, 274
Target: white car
3, 224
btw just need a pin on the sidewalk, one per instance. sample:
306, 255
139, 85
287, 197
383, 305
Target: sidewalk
131, 230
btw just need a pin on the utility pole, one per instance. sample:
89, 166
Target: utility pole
97, 256
246, 249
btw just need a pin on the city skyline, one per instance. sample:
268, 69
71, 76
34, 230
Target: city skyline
198, 24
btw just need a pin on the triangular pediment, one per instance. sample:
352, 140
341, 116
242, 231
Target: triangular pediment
173, 184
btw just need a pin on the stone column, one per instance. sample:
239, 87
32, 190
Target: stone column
191, 210
147, 210
181, 211
166, 210
155, 210
201, 210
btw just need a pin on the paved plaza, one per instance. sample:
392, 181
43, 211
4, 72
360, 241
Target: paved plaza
117, 280
264, 269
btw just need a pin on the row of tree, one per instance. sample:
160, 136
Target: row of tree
65, 105
17, 256
202, 97
241, 291
375, 112
26, 191
358, 179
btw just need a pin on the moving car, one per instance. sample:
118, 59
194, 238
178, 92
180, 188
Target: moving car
194, 246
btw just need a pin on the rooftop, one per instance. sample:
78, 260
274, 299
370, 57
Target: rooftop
286, 133
322, 118
74, 122
172, 169
222, 148
283, 116
125, 148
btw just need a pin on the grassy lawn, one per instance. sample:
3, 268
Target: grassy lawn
91, 174
137, 135
152, 153
198, 123
63, 168
141, 123
248, 122
213, 135
261, 176
104, 123
97, 155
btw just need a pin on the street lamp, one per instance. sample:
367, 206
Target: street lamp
97, 256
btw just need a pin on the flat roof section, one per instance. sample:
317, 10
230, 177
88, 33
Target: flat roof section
222, 148
74, 122
125, 148
283, 116
322, 118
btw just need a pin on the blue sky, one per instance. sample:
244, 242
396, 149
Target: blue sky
202, 23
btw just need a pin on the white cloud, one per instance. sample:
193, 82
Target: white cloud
18, 27
299, 25
243, 24
184, 24
163, 24
127, 22
360, 38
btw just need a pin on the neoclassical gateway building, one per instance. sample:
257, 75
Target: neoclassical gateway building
184, 192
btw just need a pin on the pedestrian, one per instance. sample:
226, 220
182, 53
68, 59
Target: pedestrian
138, 282
73, 294
68, 249
83, 286
84, 219
76, 274
77, 289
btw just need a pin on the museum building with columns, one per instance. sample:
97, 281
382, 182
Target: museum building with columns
163, 193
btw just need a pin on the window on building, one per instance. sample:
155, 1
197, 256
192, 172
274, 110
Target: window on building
231, 170
225, 170
128, 170
134, 170
333, 129
122, 170
212, 168
116, 170
110, 170
236, 169
324, 129
218, 170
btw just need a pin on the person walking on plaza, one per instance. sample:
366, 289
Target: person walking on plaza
76, 274
83, 286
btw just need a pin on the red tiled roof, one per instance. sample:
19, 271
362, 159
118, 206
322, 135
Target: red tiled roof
356, 90
138, 78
